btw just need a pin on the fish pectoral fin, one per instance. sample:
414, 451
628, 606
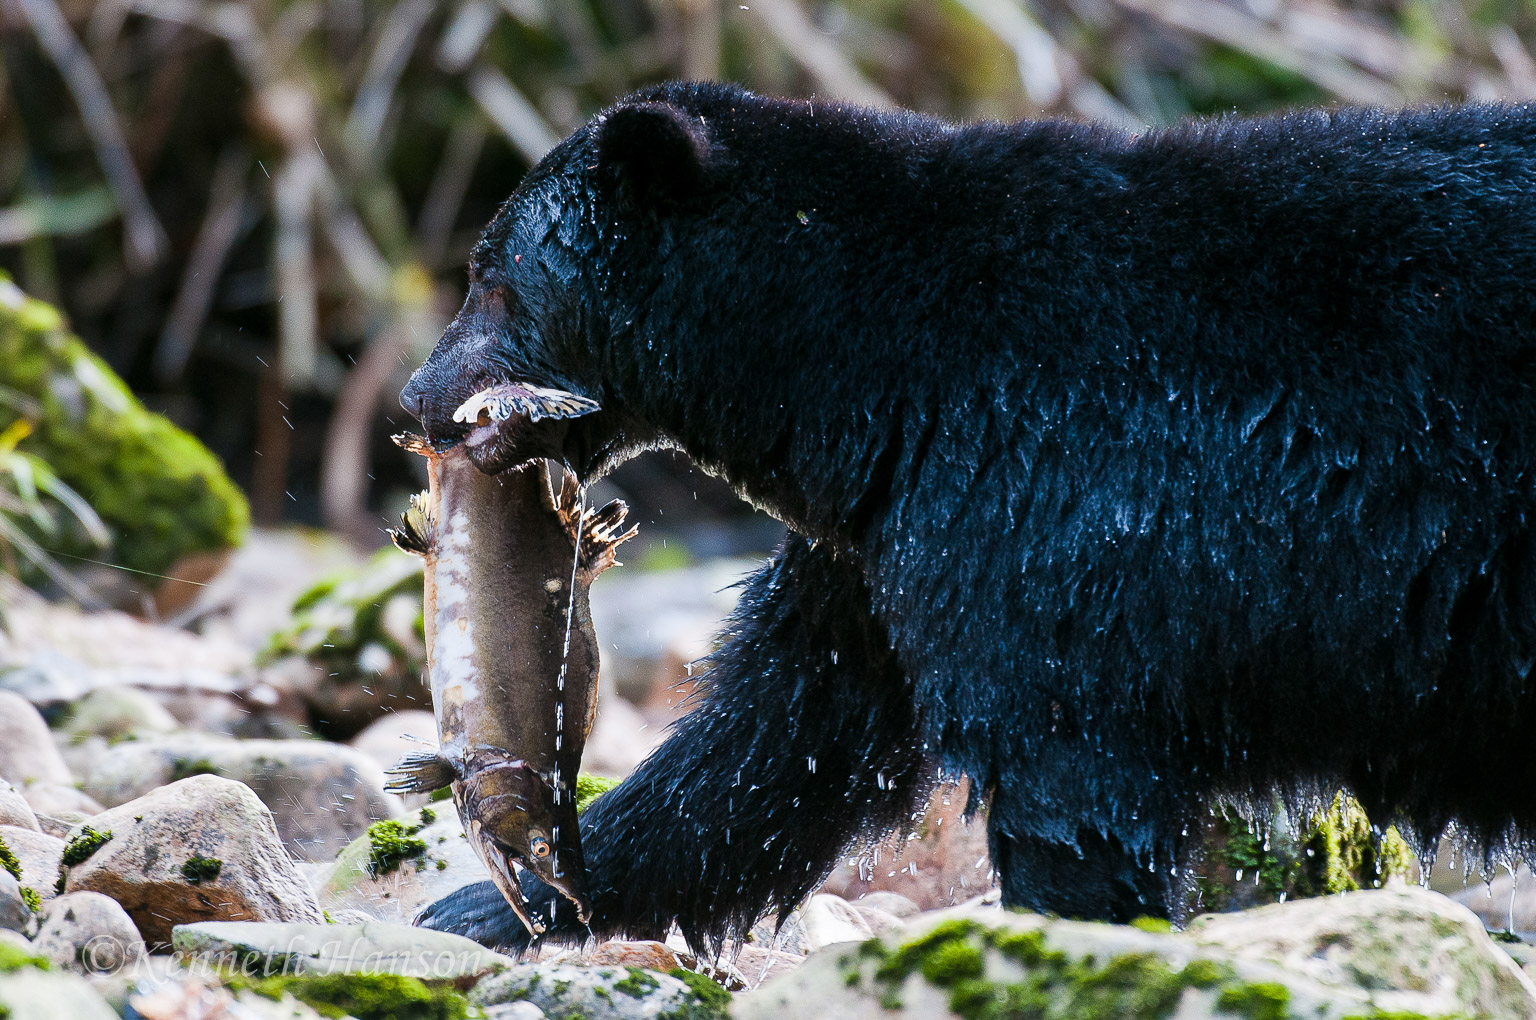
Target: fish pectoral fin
415, 534
420, 772
602, 532
507, 400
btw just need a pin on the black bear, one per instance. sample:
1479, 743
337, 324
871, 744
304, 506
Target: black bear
1122, 471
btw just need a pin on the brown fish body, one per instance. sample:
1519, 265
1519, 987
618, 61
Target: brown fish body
512, 658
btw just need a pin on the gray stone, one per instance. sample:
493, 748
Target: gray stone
32, 994
15, 915
515, 1011
828, 920
1359, 954
891, 903
59, 800
88, 933
155, 837
448, 864
597, 993
191, 997
38, 856
14, 809
27, 752
116, 713
335, 948
322, 795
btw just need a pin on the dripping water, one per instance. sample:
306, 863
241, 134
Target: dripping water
565, 650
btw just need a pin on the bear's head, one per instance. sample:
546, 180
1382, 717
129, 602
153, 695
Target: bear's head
547, 294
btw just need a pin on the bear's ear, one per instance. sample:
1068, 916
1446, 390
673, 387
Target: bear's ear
654, 153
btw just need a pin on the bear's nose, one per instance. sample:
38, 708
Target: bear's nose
414, 396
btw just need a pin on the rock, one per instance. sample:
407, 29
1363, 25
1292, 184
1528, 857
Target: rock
1505, 903
514, 1011
27, 754
28, 992
14, 809
940, 862
38, 854
393, 734
87, 932
448, 863
202, 819
598, 993
116, 713
56, 800
757, 964
620, 739
321, 795
891, 903
1395, 951
644, 954
375, 947
878, 920
160, 493
15, 915
828, 920
199, 998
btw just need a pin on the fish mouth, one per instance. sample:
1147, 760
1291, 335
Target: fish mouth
515, 816
502, 422
504, 877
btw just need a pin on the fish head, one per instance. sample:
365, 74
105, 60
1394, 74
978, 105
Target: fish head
513, 812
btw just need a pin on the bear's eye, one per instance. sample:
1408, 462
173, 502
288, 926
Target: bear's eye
539, 846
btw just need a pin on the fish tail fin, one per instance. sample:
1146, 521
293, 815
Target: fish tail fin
417, 526
420, 772
602, 532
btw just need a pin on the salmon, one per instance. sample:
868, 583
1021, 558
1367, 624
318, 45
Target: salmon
512, 655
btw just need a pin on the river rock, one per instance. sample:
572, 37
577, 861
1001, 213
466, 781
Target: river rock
828, 920
201, 998
38, 854
14, 809
393, 735
645, 954
514, 1011
374, 947
27, 992
88, 933
890, 903
115, 713
15, 915
158, 835
27, 753
447, 863
321, 795
1393, 951
59, 801
596, 993
757, 964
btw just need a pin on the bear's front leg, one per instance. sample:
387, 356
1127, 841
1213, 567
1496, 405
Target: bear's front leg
805, 737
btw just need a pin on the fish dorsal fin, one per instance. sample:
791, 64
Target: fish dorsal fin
412, 443
415, 534
420, 772
521, 399
602, 532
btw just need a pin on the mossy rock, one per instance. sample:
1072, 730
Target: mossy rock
1336, 850
161, 494
360, 624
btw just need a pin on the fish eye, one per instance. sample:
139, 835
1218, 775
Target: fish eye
539, 847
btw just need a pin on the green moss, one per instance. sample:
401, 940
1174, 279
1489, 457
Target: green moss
81, 847
951, 963
589, 788
442, 864
160, 492
201, 869
638, 984
707, 992
14, 958
439, 796
9, 862
30, 897
364, 996
428, 816
1263, 1000
1403, 1014
337, 619
1205, 973
1155, 925
184, 768
389, 843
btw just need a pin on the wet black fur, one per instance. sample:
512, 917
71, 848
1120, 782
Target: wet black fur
1132, 470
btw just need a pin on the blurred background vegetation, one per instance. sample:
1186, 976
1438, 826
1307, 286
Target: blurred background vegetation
257, 213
